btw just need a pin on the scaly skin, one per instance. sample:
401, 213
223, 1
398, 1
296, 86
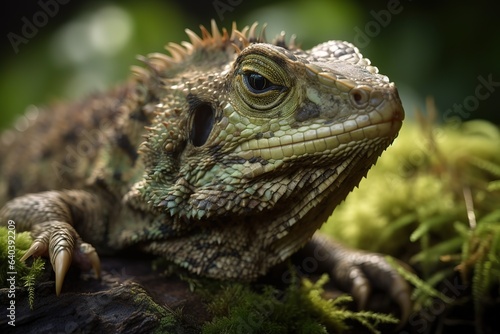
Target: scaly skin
224, 157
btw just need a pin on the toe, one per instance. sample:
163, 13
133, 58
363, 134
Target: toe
60, 264
37, 248
87, 257
400, 292
61, 246
382, 275
360, 287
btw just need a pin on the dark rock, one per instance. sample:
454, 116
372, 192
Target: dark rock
130, 298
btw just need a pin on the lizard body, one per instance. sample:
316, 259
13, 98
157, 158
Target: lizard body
224, 157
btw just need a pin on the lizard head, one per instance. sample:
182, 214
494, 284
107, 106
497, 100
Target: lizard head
261, 136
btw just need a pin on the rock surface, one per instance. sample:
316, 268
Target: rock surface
129, 298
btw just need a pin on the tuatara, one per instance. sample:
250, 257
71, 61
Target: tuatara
224, 157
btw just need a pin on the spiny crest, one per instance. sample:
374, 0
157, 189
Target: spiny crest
216, 39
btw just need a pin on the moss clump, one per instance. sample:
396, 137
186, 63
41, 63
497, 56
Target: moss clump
12, 248
169, 321
298, 309
19, 243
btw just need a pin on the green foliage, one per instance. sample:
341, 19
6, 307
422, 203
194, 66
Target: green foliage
35, 271
22, 243
332, 312
481, 253
170, 321
29, 275
301, 308
424, 290
238, 309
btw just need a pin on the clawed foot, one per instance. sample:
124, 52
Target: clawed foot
63, 245
361, 272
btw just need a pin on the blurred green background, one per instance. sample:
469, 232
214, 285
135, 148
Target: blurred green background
429, 48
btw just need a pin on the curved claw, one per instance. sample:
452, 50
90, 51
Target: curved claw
88, 255
400, 292
373, 270
61, 245
360, 287
96, 263
60, 264
37, 248
40, 246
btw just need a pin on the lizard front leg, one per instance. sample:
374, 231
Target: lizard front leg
51, 217
359, 271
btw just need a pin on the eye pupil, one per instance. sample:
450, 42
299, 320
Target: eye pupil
257, 81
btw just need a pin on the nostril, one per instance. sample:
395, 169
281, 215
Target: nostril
359, 97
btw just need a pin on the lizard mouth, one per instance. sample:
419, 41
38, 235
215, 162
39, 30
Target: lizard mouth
318, 138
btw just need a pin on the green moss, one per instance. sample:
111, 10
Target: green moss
12, 247
169, 321
19, 243
301, 308
30, 280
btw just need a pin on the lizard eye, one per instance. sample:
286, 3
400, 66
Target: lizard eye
261, 84
258, 83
